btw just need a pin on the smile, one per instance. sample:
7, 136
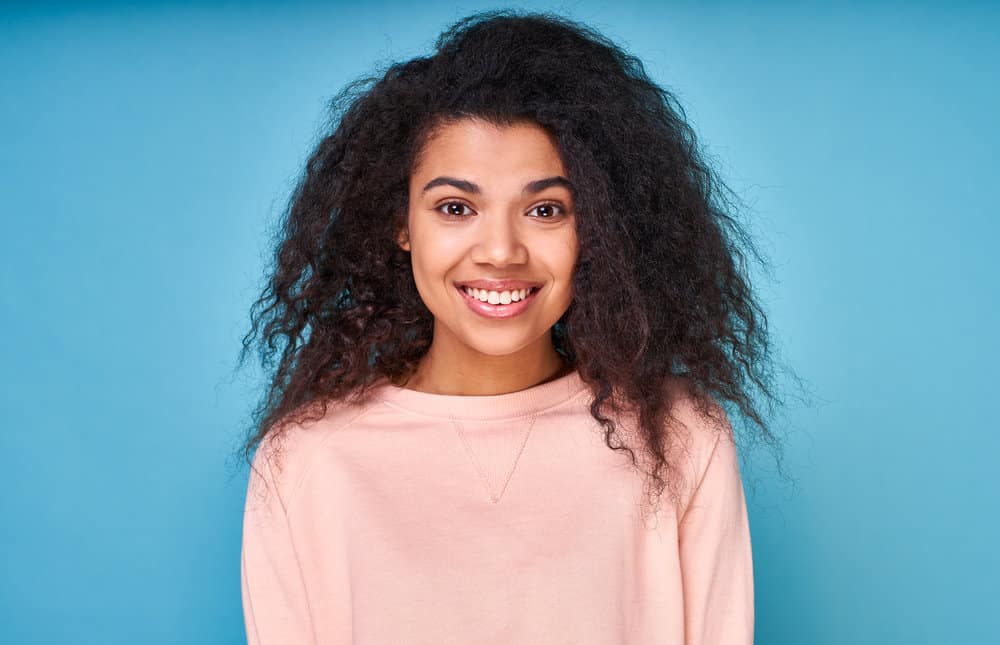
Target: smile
497, 304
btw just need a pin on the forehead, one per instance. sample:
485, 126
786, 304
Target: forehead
489, 153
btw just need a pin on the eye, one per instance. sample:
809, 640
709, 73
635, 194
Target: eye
454, 209
547, 211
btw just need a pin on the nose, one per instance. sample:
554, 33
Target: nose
499, 241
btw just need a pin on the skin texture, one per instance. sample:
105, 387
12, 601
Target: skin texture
497, 232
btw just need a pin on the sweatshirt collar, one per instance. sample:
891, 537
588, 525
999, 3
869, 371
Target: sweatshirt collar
526, 402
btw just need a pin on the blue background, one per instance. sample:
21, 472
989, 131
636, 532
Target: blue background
147, 148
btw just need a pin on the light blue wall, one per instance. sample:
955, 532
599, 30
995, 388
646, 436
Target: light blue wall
143, 151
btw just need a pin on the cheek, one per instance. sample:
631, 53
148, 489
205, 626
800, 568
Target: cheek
424, 268
563, 256
569, 253
431, 262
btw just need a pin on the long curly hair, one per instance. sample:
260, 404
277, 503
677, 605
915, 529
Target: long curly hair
663, 259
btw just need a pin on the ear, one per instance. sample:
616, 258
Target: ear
403, 239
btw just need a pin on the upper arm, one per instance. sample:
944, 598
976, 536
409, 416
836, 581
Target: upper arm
275, 602
715, 550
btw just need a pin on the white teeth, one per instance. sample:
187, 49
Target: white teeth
499, 297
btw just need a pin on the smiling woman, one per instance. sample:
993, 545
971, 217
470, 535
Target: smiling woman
490, 211
508, 304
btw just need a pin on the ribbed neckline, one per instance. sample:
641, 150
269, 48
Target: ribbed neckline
532, 400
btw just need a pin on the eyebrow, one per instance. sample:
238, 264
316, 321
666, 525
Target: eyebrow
542, 184
530, 188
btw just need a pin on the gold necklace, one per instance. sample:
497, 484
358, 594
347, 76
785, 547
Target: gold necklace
494, 496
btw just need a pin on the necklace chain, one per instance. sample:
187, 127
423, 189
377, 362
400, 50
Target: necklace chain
494, 497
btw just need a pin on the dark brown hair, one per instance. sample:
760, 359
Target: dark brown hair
663, 260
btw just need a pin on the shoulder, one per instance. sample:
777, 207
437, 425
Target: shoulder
697, 417
285, 454
698, 432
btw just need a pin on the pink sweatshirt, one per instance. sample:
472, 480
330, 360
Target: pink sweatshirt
476, 520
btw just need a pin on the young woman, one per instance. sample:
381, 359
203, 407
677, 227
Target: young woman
507, 306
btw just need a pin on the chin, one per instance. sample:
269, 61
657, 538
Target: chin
499, 346
499, 349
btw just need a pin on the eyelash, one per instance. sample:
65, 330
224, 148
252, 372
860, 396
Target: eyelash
441, 209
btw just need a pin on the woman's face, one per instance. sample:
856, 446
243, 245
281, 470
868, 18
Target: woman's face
490, 207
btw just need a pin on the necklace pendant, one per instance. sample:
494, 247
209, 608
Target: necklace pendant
494, 457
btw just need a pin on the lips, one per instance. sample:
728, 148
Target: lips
500, 310
499, 285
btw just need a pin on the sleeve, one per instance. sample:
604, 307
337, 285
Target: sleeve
715, 554
275, 605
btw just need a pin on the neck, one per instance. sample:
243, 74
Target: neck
463, 371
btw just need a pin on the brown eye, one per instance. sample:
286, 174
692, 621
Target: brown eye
454, 209
546, 211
